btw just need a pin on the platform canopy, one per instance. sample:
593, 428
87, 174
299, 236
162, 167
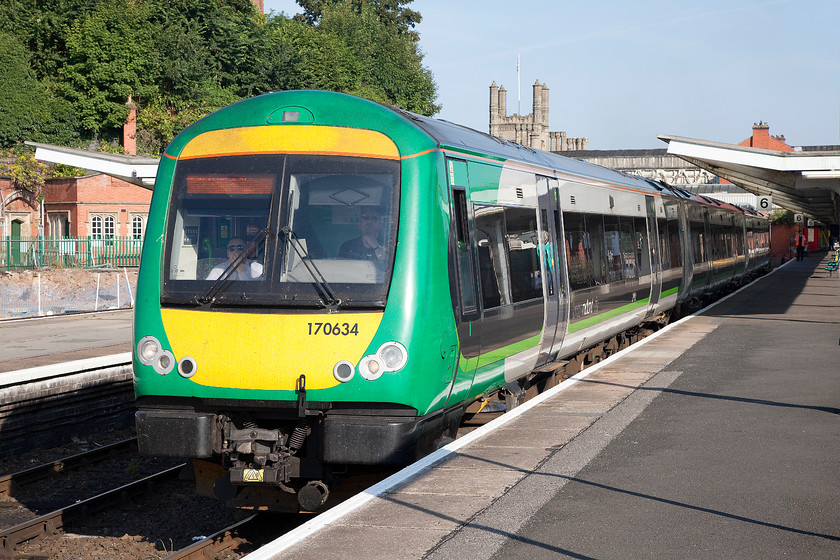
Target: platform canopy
138, 170
805, 182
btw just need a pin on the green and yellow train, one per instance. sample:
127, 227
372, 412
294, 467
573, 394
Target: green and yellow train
328, 283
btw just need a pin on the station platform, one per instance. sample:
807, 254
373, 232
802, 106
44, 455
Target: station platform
717, 437
47, 341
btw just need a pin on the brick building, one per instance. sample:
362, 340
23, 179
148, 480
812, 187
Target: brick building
761, 139
18, 211
93, 205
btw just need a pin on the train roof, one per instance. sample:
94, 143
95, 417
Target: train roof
456, 136
448, 134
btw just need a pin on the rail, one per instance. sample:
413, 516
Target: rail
54, 521
74, 462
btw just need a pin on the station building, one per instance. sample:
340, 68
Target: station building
92, 205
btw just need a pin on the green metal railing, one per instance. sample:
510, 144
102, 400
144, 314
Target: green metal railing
69, 252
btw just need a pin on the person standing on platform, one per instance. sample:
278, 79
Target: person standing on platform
800, 246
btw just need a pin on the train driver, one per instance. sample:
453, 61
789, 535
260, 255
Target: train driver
247, 268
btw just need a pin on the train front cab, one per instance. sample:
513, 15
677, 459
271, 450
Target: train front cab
309, 356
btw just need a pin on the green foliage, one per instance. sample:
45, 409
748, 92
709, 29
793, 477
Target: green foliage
27, 174
27, 107
61, 170
782, 218
391, 66
391, 13
109, 58
70, 66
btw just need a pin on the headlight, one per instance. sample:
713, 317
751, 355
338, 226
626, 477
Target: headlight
150, 353
393, 356
147, 350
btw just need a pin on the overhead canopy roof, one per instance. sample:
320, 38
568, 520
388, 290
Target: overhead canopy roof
805, 182
138, 170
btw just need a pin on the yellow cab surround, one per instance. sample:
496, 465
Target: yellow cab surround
271, 351
267, 351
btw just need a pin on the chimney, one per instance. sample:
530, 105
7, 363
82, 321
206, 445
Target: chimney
130, 129
761, 135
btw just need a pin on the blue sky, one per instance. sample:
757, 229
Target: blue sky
622, 73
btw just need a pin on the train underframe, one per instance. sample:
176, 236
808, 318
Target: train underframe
288, 456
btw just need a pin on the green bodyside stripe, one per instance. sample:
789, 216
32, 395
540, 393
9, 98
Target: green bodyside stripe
670, 292
501, 353
584, 323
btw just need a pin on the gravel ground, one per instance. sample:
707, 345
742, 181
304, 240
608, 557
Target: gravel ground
167, 519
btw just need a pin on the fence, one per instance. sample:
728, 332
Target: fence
68, 252
68, 290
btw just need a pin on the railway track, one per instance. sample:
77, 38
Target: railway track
11, 482
53, 522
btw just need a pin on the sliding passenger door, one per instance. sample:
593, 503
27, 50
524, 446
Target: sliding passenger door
655, 257
556, 304
463, 275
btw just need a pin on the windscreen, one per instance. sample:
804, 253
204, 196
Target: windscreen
281, 230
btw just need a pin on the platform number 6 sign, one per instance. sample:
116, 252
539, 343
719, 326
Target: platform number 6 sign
765, 203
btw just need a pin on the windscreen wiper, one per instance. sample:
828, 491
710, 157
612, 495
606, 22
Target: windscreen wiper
329, 299
210, 295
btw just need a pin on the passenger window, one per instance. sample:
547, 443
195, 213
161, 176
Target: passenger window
523, 242
578, 251
463, 255
641, 245
612, 247
492, 265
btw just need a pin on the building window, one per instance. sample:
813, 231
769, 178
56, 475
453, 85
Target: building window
96, 227
109, 227
137, 227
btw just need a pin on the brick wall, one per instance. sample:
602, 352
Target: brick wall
78, 200
761, 139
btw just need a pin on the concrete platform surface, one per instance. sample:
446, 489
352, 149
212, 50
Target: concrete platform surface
44, 341
718, 438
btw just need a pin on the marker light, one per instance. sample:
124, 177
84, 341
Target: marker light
370, 368
344, 371
187, 367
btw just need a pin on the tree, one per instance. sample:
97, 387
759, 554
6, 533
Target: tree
352, 50
79, 62
391, 13
28, 110
109, 59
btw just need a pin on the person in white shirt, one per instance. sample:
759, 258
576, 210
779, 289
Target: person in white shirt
246, 270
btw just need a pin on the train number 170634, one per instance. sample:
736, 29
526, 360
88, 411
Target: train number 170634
334, 329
